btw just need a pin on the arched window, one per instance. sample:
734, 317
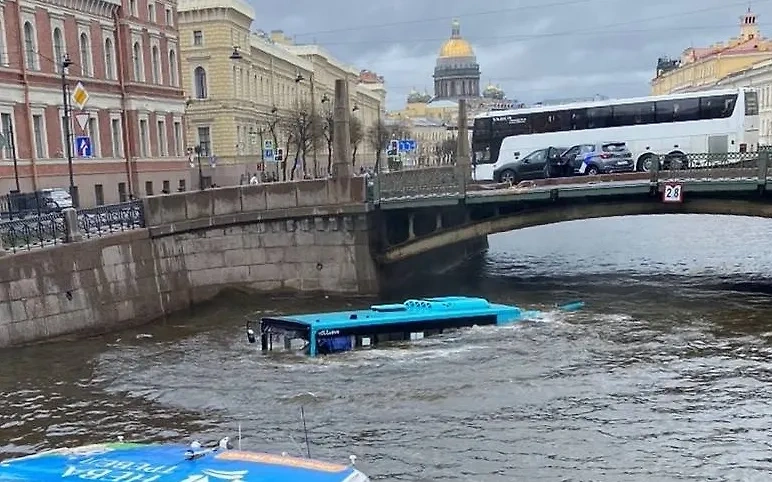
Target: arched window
29, 46
109, 67
155, 60
199, 76
137, 57
173, 68
58, 49
85, 55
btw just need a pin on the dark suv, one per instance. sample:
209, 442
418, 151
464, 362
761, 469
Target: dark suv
539, 164
600, 158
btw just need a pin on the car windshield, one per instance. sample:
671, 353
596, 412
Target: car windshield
537, 155
614, 147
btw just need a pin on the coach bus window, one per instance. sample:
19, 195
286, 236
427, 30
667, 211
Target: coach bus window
482, 128
624, 115
578, 119
555, 121
665, 111
538, 122
751, 103
599, 117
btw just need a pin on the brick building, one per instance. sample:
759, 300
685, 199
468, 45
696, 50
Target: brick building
126, 55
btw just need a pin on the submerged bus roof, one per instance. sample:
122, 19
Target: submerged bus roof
605, 102
411, 310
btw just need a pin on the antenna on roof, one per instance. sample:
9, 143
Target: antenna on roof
305, 431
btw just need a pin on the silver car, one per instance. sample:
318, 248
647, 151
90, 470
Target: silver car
600, 158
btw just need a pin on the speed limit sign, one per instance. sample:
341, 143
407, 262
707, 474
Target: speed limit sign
673, 192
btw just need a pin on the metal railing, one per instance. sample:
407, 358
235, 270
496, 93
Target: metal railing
451, 181
38, 231
112, 218
35, 231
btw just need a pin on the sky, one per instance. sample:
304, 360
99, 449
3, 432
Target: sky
534, 49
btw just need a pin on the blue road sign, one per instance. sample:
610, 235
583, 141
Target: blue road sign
406, 145
83, 146
268, 154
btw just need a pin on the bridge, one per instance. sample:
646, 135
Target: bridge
91, 270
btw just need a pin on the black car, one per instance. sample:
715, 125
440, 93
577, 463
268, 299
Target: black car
540, 164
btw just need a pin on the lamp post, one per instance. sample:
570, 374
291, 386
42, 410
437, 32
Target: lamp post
11, 144
66, 62
197, 150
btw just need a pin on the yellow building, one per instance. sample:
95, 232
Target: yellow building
700, 68
244, 88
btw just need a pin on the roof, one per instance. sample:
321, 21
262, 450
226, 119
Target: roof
238, 5
456, 46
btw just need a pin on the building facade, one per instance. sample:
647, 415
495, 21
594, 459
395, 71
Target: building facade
700, 68
126, 55
265, 92
758, 77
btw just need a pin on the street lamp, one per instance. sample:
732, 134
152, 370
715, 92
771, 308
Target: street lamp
198, 150
66, 63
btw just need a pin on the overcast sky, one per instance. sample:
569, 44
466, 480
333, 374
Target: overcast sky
534, 49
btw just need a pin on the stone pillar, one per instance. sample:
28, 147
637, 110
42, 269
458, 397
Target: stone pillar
341, 167
654, 169
463, 161
763, 167
71, 227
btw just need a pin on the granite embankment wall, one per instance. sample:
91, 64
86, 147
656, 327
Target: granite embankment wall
305, 236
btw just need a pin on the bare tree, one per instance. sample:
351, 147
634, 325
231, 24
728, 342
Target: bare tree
273, 123
357, 135
381, 133
326, 132
304, 132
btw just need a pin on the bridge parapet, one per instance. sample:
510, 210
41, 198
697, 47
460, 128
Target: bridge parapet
440, 181
232, 201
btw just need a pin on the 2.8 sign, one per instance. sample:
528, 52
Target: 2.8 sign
673, 193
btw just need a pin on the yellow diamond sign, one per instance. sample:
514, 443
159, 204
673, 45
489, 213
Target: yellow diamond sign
80, 96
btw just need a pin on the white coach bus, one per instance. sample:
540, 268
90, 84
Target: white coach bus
714, 121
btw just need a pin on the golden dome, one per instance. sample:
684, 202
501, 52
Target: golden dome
456, 46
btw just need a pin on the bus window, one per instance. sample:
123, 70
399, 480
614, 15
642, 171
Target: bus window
539, 122
729, 104
751, 103
599, 117
717, 106
482, 128
686, 110
577, 119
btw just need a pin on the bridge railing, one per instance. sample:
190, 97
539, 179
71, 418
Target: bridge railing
427, 182
37, 231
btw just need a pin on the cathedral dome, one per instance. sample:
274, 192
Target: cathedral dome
455, 46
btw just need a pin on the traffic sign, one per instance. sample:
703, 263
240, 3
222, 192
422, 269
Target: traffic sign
82, 118
406, 145
268, 144
83, 146
280, 154
268, 154
673, 193
393, 148
80, 96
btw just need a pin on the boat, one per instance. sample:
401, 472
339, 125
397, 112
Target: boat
134, 462
414, 319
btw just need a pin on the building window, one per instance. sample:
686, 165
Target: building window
169, 20
151, 12
3, 53
199, 76
177, 139
29, 46
92, 130
58, 49
109, 67
166, 187
156, 63
85, 55
99, 194
143, 138
5, 124
39, 133
204, 141
137, 57
122, 195
198, 38
173, 68
149, 188
133, 8
182, 187
163, 147
115, 133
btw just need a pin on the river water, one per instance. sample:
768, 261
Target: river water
664, 376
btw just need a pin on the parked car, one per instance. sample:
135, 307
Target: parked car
539, 164
43, 201
600, 158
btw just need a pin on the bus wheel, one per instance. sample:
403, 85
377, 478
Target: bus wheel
508, 175
645, 162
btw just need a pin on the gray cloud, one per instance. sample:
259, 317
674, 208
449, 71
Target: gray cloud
535, 50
